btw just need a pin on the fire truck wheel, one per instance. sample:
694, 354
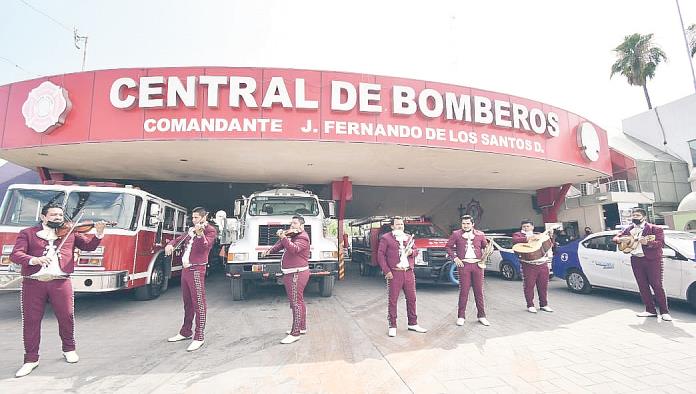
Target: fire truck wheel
326, 285
237, 287
158, 282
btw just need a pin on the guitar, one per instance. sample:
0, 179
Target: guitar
535, 250
628, 244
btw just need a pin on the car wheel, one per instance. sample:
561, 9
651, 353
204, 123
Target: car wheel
507, 271
577, 282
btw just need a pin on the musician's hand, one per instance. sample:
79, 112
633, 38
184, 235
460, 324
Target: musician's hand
198, 227
99, 227
410, 252
265, 253
458, 262
389, 276
168, 250
41, 260
281, 234
534, 237
643, 241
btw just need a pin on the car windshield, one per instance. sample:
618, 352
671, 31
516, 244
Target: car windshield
505, 243
683, 242
273, 206
121, 208
22, 207
424, 231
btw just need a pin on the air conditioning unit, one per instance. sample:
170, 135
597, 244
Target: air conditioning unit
587, 189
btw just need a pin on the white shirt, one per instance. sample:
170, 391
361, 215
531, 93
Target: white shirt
469, 236
53, 267
636, 234
187, 252
402, 238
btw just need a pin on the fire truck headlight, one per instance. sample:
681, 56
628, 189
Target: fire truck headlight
5, 260
419, 259
329, 254
238, 257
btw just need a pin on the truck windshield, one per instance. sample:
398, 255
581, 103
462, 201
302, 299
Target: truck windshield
424, 231
263, 205
22, 207
121, 208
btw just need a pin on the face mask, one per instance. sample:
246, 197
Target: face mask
54, 225
637, 222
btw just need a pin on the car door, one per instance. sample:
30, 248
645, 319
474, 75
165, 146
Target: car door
673, 264
601, 262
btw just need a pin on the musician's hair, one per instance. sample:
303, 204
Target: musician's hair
199, 210
525, 221
467, 217
640, 211
299, 218
395, 218
44, 210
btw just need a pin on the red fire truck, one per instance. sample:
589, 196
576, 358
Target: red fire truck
131, 256
432, 264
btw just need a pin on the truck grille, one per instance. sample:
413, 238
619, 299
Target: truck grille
435, 256
267, 233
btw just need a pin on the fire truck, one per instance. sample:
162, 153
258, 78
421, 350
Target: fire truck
431, 264
131, 255
257, 220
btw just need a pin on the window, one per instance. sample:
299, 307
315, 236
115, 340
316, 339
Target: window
121, 208
168, 223
601, 243
262, 205
692, 148
505, 243
23, 206
181, 221
150, 220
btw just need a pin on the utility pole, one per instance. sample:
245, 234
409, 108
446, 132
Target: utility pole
79, 38
686, 42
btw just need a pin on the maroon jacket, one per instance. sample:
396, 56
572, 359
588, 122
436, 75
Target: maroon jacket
296, 251
519, 237
29, 245
388, 253
653, 249
457, 245
201, 245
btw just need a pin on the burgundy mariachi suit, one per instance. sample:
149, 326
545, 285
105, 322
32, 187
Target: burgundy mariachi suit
295, 266
388, 259
533, 274
648, 269
59, 291
470, 274
193, 279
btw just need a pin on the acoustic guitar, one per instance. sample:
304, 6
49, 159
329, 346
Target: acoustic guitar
534, 250
628, 244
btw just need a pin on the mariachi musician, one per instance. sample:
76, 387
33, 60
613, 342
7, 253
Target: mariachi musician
466, 248
534, 272
197, 243
295, 267
646, 262
46, 254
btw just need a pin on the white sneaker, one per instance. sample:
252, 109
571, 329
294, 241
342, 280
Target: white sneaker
71, 357
302, 332
290, 339
484, 321
546, 308
417, 328
392, 331
531, 309
460, 321
26, 369
646, 314
177, 338
666, 317
195, 345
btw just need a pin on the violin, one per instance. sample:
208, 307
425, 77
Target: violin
79, 227
289, 232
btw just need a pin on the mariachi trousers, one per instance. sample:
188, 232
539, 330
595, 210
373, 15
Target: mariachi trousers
406, 281
471, 275
648, 273
33, 298
295, 284
193, 294
535, 274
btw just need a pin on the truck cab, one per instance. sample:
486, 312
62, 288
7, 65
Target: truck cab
257, 220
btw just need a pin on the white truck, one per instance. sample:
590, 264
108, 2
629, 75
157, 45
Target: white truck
257, 220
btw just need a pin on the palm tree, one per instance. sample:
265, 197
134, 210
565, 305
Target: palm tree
638, 58
691, 34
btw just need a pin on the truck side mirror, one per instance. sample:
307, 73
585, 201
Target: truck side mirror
154, 209
237, 208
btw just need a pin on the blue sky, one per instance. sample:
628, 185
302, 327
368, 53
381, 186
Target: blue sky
558, 52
